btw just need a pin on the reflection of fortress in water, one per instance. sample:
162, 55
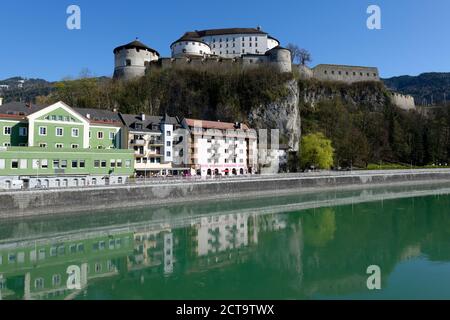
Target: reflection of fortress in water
316, 251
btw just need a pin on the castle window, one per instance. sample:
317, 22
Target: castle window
325, 71
250, 44
243, 50
220, 40
128, 62
346, 73
374, 74
234, 51
234, 45
354, 73
339, 73
368, 74
332, 72
214, 40
360, 74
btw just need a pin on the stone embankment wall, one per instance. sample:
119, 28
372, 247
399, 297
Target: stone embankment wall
16, 204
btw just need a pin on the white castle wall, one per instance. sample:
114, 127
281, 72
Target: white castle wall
405, 102
190, 48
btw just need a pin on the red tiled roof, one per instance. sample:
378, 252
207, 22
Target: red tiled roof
11, 116
214, 124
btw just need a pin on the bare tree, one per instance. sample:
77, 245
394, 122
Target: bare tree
299, 55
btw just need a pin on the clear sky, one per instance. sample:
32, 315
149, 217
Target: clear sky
36, 43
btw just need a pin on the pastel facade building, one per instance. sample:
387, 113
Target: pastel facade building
57, 146
152, 139
221, 148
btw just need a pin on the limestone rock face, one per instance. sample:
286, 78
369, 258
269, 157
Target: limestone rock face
283, 115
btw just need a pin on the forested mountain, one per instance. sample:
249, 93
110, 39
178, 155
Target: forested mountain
427, 88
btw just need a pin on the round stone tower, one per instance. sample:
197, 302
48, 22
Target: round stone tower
132, 59
281, 58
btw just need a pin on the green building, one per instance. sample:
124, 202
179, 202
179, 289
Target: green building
59, 146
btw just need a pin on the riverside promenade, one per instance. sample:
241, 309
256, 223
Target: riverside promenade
24, 203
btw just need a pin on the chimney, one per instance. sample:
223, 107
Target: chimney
1, 101
143, 116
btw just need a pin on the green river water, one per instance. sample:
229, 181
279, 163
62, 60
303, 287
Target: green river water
300, 246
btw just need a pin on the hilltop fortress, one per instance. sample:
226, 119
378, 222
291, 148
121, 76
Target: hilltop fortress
241, 47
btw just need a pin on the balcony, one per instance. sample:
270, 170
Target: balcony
156, 142
138, 142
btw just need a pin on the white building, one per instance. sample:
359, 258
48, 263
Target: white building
221, 148
225, 43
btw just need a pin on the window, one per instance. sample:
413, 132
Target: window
169, 133
14, 164
39, 283
96, 163
60, 118
55, 164
100, 135
128, 163
23, 164
103, 163
7, 131
44, 164
75, 132
23, 132
75, 146
59, 132
7, 144
112, 135
113, 163
74, 163
128, 62
168, 143
59, 146
168, 153
42, 145
56, 280
53, 117
119, 163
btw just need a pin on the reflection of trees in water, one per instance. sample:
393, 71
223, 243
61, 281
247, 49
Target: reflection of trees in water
320, 227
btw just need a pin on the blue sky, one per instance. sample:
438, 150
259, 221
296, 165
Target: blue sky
36, 43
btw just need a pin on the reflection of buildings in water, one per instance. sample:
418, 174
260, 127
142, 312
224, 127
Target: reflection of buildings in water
152, 249
38, 270
220, 233
411, 252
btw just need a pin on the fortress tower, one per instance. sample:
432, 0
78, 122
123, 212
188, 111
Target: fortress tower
131, 60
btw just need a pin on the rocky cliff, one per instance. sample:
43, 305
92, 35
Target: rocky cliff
283, 115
